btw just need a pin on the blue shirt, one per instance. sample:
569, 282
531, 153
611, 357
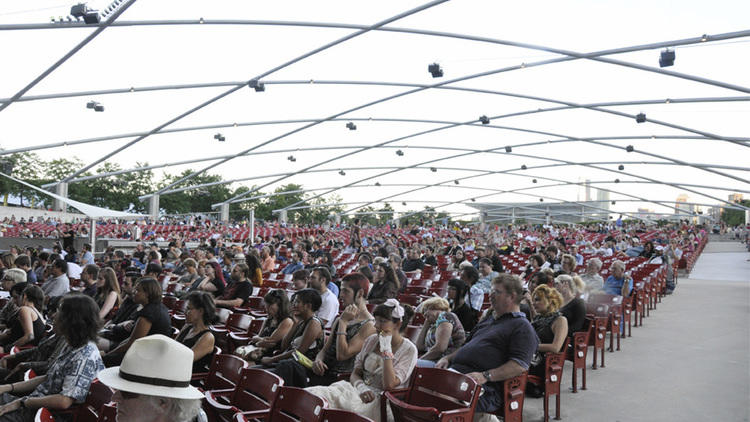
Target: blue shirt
71, 373
292, 267
613, 286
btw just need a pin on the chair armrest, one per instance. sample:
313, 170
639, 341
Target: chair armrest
239, 340
211, 400
255, 414
535, 379
197, 376
424, 412
241, 310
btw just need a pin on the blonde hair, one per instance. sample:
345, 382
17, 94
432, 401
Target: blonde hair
437, 303
551, 296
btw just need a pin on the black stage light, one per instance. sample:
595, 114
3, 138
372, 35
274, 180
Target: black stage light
617, 180
533, 180
614, 202
484, 119
473, 200
523, 167
91, 17
291, 158
621, 167
351, 126
91, 104
508, 149
629, 148
377, 183
342, 172
257, 85
541, 199
219, 137
640, 118
403, 203
435, 70
399, 153
666, 58
455, 181
433, 169
98, 107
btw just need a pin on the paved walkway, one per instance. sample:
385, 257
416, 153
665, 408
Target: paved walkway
690, 360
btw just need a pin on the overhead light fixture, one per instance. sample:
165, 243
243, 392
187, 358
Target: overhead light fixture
484, 119
704, 38
620, 167
455, 181
666, 58
342, 172
640, 118
201, 20
399, 153
291, 158
377, 183
351, 126
541, 199
508, 149
81, 10
629, 148
473, 200
219, 137
94, 105
435, 70
403, 203
256, 85
617, 180
533, 180
614, 202
523, 167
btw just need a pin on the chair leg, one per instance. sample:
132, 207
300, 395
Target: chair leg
557, 406
602, 365
593, 364
575, 376
546, 406
583, 376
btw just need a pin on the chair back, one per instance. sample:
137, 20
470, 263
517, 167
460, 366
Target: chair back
442, 389
337, 415
224, 372
108, 413
297, 405
43, 415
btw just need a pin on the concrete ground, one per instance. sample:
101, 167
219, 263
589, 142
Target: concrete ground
689, 361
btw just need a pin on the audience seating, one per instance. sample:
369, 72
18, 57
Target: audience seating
576, 353
336, 415
436, 395
553, 370
514, 393
238, 323
43, 415
223, 374
108, 413
291, 405
256, 390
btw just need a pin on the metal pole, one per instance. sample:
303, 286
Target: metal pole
252, 225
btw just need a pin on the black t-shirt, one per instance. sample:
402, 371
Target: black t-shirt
241, 290
158, 314
575, 313
467, 316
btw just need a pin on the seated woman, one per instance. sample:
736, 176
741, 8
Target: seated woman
457, 260
551, 328
385, 284
441, 334
108, 292
199, 313
535, 265
573, 308
307, 334
153, 318
385, 362
457, 290
70, 376
213, 280
348, 334
277, 325
568, 265
27, 326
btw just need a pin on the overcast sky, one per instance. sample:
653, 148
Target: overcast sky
142, 56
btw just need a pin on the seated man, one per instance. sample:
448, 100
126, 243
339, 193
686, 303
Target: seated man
501, 346
153, 382
239, 290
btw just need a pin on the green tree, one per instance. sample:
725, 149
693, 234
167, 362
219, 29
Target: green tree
193, 200
734, 217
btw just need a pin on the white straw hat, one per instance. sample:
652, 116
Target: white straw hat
156, 366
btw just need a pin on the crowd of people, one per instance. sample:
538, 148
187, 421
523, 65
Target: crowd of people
491, 301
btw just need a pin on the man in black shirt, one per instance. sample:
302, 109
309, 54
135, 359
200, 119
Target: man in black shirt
412, 261
241, 288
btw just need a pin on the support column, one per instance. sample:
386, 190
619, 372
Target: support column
224, 212
546, 216
252, 226
93, 237
153, 206
283, 216
62, 190
513, 215
337, 218
482, 219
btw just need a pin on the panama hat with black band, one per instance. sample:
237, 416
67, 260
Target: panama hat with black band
156, 366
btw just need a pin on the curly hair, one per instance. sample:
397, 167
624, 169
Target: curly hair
204, 301
550, 295
77, 319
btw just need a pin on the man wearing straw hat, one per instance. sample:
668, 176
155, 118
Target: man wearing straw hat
153, 382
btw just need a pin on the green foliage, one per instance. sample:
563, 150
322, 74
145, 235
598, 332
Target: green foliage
735, 217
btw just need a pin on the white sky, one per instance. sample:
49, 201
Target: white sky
140, 56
